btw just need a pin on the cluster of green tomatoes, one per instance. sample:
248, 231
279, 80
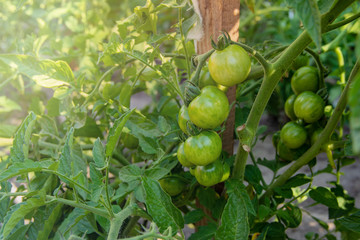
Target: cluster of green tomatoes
305, 108
201, 151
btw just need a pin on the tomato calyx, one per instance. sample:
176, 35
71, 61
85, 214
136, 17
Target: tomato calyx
223, 41
191, 91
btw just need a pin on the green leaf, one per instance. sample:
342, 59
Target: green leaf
8, 105
160, 207
20, 213
297, 180
194, 216
324, 196
90, 129
96, 183
99, 154
234, 220
130, 173
204, 232
310, 16
325, 5
148, 145
351, 222
65, 161
291, 216
156, 173
253, 176
19, 233
7, 131
48, 224
27, 166
46, 73
239, 189
115, 132
354, 103
19, 151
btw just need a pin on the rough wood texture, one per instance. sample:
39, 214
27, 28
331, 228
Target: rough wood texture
220, 15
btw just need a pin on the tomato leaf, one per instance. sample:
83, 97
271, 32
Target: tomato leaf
46, 73
194, 216
19, 212
156, 173
160, 206
27, 166
324, 196
19, 151
115, 132
99, 154
351, 222
130, 173
204, 232
309, 14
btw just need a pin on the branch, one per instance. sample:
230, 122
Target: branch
323, 138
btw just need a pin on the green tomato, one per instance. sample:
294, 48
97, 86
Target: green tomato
210, 174
203, 148
299, 62
229, 66
305, 79
205, 78
309, 107
288, 154
192, 170
129, 140
181, 156
289, 107
315, 135
172, 185
293, 135
183, 119
209, 109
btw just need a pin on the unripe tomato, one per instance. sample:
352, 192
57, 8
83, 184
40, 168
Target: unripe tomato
309, 107
192, 170
172, 185
289, 107
293, 135
183, 119
205, 79
129, 140
181, 156
288, 154
299, 62
203, 148
315, 135
209, 109
210, 174
229, 66
305, 79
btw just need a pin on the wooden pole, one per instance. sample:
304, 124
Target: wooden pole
217, 16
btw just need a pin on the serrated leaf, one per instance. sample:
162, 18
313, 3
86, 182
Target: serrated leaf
238, 188
194, 216
204, 232
351, 222
148, 144
27, 166
46, 73
99, 154
8, 105
96, 183
130, 173
115, 132
20, 213
48, 224
297, 180
160, 207
234, 220
324, 196
310, 16
354, 103
65, 161
19, 151
156, 173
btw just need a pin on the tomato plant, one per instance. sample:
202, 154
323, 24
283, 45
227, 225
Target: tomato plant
118, 119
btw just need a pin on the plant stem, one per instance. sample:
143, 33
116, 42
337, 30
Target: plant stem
182, 37
117, 221
342, 23
323, 138
321, 68
272, 74
265, 64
